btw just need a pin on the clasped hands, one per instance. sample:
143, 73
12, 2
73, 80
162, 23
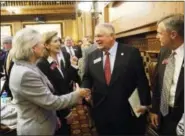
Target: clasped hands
84, 93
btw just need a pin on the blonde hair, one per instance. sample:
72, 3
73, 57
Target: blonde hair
23, 42
46, 38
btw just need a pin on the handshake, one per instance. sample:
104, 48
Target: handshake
84, 92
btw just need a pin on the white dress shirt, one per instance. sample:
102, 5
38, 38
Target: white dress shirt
180, 127
60, 56
112, 56
178, 65
50, 60
72, 50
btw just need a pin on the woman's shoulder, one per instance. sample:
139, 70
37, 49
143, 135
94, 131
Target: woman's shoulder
42, 61
21, 71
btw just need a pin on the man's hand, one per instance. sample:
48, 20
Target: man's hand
84, 92
141, 109
154, 119
59, 124
70, 118
74, 60
88, 98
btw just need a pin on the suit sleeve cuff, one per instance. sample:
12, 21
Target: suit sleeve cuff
75, 66
68, 115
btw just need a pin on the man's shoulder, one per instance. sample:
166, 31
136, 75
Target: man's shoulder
94, 52
91, 49
127, 47
164, 50
121, 46
65, 54
63, 48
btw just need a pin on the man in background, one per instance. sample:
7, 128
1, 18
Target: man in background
72, 50
168, 93
7, 63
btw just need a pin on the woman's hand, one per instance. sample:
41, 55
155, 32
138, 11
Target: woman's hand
84, 92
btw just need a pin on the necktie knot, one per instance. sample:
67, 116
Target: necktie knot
107, 53
174, 53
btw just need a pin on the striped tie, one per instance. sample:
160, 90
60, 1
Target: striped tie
167, 82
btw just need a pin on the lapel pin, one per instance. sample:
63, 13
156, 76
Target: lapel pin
122, 54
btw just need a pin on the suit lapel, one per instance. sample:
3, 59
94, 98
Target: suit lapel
75, 51
163, 66
46, 81
64, 49
120, 60
99, 66
180, 83
56, 72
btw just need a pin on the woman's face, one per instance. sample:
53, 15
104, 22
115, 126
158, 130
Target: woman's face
54, 45
38, 49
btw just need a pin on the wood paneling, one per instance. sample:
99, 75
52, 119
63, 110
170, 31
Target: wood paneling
63, 12
131, 15
58, 9
38, 8
145, 42
140, 30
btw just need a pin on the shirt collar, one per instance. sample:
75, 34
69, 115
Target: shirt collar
68, 47
60, 55
113, 49
50, 59
180, 50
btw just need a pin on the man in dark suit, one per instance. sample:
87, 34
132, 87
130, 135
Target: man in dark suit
168, 93
71, 49
114, 71
7, 64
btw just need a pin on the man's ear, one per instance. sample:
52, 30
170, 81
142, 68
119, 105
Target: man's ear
173, 34
113, 36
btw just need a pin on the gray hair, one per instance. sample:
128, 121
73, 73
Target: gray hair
174, 22
105, 28
7, 40
68, 37
23, 42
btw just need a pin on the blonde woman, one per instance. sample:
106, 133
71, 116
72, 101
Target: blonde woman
32, 91
57, 67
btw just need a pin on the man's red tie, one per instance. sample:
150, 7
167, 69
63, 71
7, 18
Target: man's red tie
107, 69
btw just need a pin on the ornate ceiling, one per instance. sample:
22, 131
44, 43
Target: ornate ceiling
64, 9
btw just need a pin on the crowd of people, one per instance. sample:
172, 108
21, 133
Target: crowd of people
46, 77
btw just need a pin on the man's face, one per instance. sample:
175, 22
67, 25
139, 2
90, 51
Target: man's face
164, 35
68, 42
7, 46
104, 41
